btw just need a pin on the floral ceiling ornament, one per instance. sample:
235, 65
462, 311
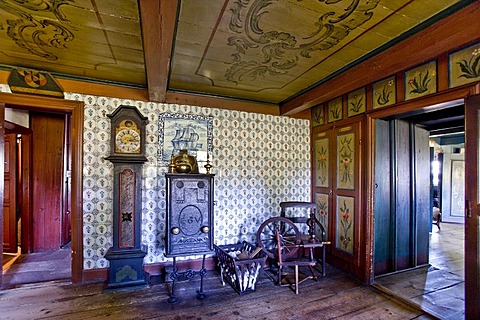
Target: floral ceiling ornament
38, 35
282, 50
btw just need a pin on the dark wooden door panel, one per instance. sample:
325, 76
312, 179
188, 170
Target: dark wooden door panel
384, 259
402, 185
402, 196
9, 200
48, 141
472, 205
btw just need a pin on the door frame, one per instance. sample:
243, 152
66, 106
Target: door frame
435, 101
2, 173
472, 212
75, 108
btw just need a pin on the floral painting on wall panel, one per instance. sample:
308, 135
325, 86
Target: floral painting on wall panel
345, 223
345, 161
318, 116
321, 199
356, 102
384, 93
321, 163
421, 81
464, 66
335, 110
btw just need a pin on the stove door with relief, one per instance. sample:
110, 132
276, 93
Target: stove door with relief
189, 216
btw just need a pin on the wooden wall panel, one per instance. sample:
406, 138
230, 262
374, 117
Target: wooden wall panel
48, 139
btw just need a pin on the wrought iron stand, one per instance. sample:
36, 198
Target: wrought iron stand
189, 274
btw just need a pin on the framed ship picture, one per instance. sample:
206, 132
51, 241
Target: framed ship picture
184, 132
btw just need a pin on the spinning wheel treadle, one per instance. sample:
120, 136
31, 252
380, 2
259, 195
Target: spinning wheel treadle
289, 235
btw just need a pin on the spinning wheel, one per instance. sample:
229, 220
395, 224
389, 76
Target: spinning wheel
289, 236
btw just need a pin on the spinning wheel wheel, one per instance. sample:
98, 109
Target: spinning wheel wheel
290, 237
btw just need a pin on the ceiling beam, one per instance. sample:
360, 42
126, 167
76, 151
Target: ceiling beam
157, 18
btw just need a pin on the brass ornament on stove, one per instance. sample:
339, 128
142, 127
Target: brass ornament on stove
183, 163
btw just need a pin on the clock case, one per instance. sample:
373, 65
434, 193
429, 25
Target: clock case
127, 253
127, 113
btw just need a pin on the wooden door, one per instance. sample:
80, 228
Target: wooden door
47, 172
337, 157
76, 109
402, 196
10, 240
472, 205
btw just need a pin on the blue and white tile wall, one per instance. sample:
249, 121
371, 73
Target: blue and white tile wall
258, 160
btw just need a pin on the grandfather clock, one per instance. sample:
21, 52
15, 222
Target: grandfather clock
127, 155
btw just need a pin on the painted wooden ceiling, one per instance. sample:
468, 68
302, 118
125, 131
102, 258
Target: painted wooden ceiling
266, 51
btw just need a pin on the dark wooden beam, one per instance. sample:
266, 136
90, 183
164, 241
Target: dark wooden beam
157, 19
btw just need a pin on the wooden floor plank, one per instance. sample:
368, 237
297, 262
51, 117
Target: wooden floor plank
437, 288
335, 296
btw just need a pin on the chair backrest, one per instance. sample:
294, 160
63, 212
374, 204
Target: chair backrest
284, 206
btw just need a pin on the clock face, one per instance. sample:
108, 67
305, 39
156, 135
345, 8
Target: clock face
127, 138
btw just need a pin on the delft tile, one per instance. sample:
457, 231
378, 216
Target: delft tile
229, 127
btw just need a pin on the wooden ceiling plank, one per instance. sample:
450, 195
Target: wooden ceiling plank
445, 35
158, 28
